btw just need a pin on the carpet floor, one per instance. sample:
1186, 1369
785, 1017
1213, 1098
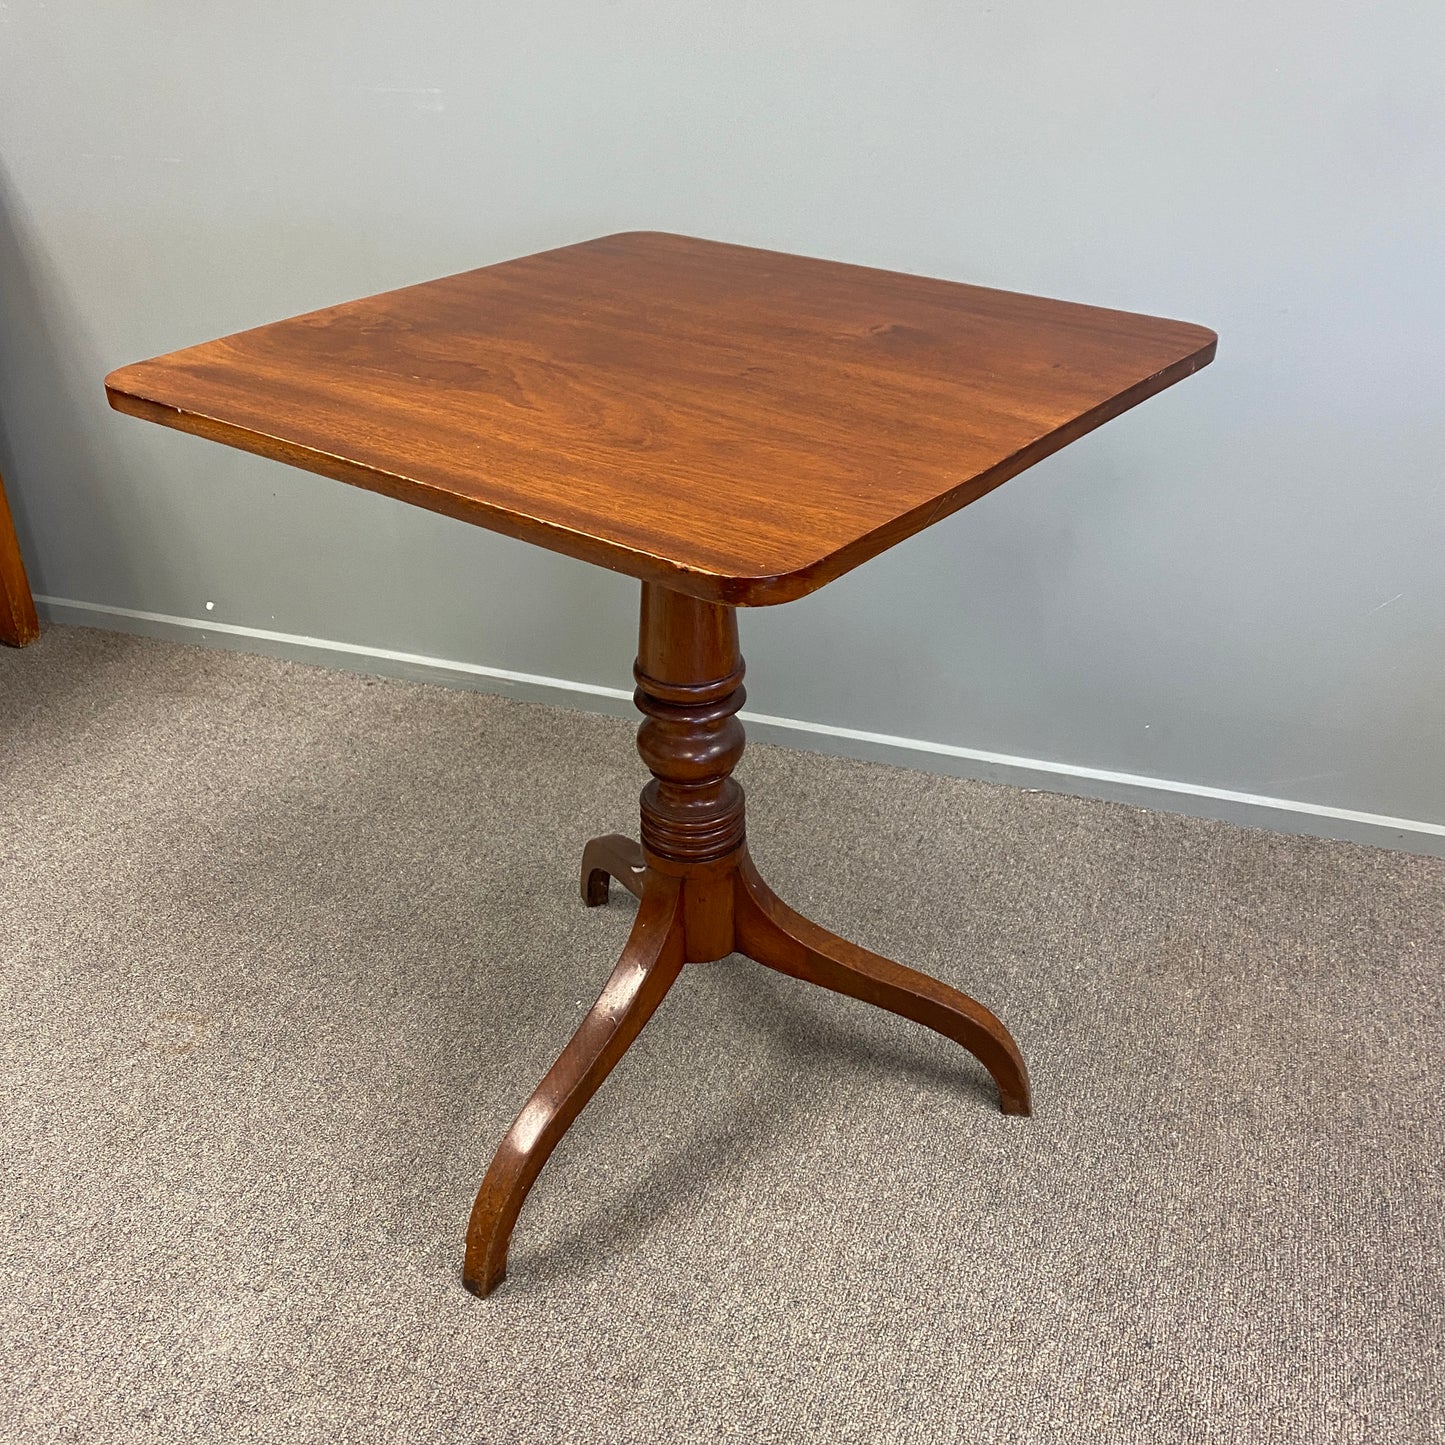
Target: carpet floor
285, 949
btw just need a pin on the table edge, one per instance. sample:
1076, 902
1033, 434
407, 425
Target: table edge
738, 590
734, 589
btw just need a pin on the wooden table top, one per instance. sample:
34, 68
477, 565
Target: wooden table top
737, 424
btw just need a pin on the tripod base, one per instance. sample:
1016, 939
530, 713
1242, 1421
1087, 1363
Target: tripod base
698, 916
700, 899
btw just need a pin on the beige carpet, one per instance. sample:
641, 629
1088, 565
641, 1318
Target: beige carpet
285, 949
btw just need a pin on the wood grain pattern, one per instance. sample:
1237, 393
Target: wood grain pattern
740, 425
18, 623
734, 427
649, 966
613, 855
774, 935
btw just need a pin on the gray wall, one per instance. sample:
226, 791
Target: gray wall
1237, 586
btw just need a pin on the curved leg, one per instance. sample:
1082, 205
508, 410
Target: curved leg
650, 963
770, 932
611, 856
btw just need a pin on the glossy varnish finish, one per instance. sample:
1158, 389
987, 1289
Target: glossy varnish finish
702, 898
741, 425
18, 623
733, 427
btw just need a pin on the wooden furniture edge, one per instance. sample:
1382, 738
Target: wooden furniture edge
18, 622
761, 590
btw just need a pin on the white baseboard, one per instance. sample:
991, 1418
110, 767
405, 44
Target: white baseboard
1194, 799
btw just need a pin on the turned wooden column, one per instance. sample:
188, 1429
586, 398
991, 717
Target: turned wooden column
689, 676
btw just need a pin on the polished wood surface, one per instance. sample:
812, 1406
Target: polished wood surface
611, 856
734, 427
18, 623
741, 425
649, 965
771, 932
702, 899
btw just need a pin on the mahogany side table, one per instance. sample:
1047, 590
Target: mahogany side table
735, 428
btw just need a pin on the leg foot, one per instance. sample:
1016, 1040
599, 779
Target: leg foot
649, 965
611, 856
773, 934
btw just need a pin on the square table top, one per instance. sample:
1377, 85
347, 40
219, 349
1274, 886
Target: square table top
737, 424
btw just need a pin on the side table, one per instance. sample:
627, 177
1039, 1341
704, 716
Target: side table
733, 427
